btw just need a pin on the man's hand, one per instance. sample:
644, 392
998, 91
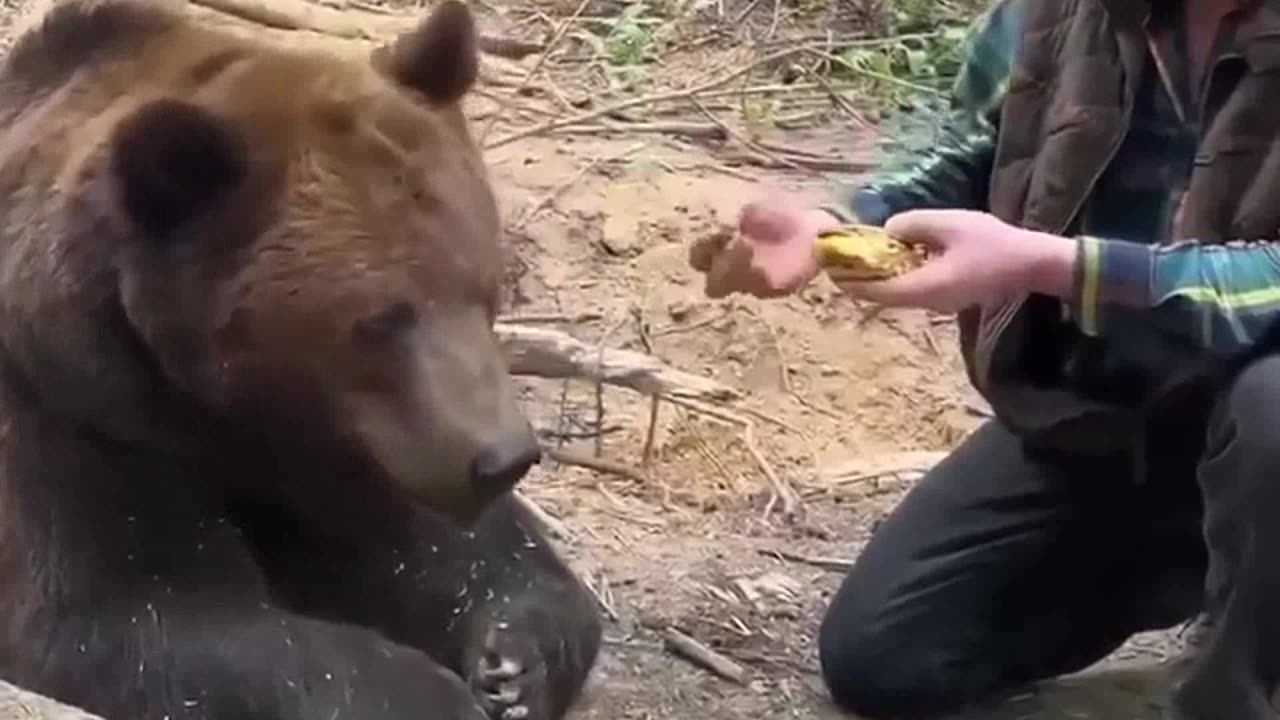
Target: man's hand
976, 259
770, 255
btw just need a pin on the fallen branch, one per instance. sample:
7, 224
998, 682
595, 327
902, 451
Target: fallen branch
554, 527
778, 161
533, 319
826, 563
566, 456
546, 52
894, 465
695, 652
548, 353
907, 462
613, 108
601, 595
740, 139
709, 131
19, 704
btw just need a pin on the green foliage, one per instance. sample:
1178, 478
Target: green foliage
630, 41
911, 77
920, 56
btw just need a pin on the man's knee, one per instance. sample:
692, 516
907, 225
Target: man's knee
1251, 401
873, 672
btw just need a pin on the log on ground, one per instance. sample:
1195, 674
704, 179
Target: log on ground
19, 704
548, 353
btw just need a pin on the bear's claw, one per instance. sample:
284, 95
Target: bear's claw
509, 677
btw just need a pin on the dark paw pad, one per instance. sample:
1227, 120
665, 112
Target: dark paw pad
509, 677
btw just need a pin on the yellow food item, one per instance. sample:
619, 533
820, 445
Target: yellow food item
865, 252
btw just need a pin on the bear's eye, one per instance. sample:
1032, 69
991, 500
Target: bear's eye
387, 324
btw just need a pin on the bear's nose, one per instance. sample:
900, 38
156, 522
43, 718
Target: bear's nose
500, 466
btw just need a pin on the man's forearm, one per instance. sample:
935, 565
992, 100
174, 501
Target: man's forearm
1217, 297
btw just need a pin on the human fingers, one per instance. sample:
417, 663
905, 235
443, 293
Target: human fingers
730, 270
766, 222
705, 249
930, 228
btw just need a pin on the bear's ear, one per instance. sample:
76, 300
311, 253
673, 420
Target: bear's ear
171, 161
439, 58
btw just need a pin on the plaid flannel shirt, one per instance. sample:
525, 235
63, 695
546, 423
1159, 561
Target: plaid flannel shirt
1140, 284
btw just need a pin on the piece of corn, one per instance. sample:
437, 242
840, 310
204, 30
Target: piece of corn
866, 252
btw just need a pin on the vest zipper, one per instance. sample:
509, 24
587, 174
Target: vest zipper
1005, 314
1206, 87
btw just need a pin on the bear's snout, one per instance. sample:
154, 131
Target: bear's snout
498, 467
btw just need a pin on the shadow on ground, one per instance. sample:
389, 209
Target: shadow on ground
1133, 693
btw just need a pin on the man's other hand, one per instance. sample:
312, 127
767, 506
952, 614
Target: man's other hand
770, 254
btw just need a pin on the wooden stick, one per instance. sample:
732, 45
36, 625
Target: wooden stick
554, 527
695, 652
543, 352
551, 46
826, 563
744, 141
577, 459
599, 595
19, 704
538, 318
646, 455
636, 102
711, 131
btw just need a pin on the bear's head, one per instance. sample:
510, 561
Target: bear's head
307, 249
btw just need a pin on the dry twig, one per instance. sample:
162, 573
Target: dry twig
601, 595
826, 563
713, 131
548, 353
554, 527
546, 52
897, 464
534, 319
742, 140
703, 656
566, 456
616, 107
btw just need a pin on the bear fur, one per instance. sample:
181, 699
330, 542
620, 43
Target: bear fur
257, 440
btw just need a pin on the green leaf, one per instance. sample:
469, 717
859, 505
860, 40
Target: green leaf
918, 63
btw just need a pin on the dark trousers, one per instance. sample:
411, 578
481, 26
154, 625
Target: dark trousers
1005, 566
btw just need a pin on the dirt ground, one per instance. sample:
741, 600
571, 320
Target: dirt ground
845, 405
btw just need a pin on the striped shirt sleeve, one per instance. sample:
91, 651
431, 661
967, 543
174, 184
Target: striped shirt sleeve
1219, 298
953, 170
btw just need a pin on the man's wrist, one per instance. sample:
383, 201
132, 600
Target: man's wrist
1055, 267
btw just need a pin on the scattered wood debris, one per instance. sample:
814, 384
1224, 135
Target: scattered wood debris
704, 657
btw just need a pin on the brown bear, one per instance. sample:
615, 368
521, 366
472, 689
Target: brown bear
258, 438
